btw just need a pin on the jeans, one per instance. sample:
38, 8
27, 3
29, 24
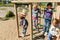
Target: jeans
24, 30
47, 25
50, 36
35, 23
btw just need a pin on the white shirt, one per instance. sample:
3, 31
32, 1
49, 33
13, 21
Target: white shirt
53, 30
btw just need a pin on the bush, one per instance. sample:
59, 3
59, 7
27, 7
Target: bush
9, 14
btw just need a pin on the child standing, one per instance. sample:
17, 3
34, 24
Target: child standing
35, 12
48, 15
53, 32
24, 23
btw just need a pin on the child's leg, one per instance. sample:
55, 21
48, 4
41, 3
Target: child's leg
21, 22
24, 30
36, 24
48, 26
50, 37
44, 29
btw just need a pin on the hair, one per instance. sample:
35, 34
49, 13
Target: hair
56, 21
22, 17
35, 5
49, 4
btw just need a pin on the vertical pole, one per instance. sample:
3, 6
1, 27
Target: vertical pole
31, 25
16, 18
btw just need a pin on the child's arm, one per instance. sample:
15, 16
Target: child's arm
39, 11
44, 13
24, 22
21, 23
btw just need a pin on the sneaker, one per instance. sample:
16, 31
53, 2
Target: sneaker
45, 33
42, 32
22, 35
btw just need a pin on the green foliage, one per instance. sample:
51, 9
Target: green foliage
9, 14
7, 5
2, 8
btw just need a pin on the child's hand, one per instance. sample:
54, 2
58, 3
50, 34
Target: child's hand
21, 25
57, 29
57, 35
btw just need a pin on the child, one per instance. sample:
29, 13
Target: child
53, 29
35, 12
24, 23
48, 15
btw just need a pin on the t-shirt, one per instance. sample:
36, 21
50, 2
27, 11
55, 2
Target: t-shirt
24, 22
35, 13
53, 30
48, 13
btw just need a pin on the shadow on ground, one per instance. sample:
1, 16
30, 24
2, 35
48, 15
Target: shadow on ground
40, 37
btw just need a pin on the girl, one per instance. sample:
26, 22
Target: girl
48, 16
35, 12
24, 23
54, 30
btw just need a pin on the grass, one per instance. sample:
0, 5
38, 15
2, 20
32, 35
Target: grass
2, 8
5, 19
7, 5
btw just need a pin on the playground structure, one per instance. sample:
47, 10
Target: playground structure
29, 4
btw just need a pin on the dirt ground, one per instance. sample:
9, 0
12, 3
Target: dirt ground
8, 30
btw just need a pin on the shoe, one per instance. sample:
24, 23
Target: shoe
45, 34
42, 32
23, 35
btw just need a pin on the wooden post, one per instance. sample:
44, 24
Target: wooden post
31, 24
16, 18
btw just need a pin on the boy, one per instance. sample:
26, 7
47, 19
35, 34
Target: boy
24, 23
48, 15
53, 32
35, 12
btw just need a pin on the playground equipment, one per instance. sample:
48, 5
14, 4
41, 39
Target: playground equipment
29, 3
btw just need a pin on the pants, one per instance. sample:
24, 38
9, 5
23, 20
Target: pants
47, 25
35, 23
50, 37
24, 30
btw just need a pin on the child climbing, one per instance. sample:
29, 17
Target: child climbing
48, 16
23, 23
35, 12
54, 30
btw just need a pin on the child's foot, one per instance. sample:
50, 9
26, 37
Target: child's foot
23, 35
42, 32
37, 30
45, 33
